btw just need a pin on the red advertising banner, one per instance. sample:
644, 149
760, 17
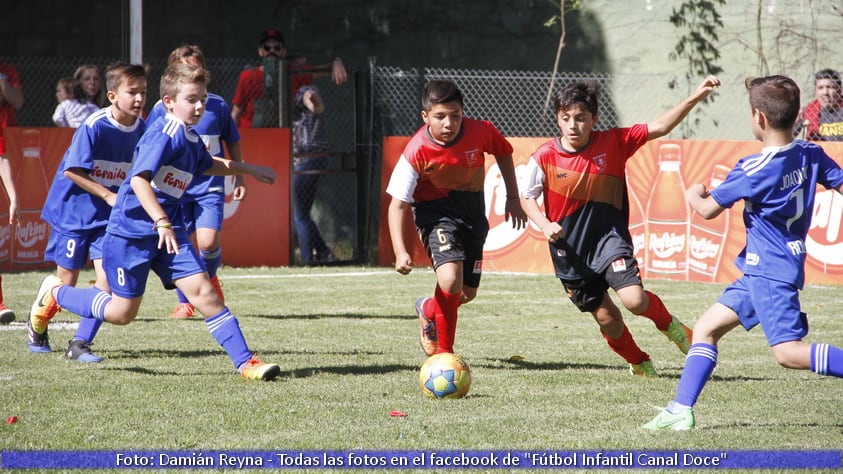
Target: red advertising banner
671, 242
255, 231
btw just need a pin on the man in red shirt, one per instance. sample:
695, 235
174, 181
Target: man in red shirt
822, 118
250, 84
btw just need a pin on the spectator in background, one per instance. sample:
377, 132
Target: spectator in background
822, 118
74, 106
255, 104
309, 148
250, 84
11, 99
89, 82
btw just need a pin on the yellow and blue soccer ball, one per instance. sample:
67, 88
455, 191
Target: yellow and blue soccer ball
445, 375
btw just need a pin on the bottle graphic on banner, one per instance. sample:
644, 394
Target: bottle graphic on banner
706, 237
6, 230
637, 229
667, 218
31, 232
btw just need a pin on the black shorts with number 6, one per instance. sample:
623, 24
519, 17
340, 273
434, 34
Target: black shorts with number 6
446, 242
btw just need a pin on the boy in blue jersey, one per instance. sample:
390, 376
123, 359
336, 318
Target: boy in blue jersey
144, 231
778, 186
203, 202
81, 195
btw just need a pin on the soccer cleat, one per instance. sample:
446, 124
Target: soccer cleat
182, 311
644, 369
80, 350
428, 338
38, 343
6, 314
679, 334
254, 369
669, 421
217, 286
45, 305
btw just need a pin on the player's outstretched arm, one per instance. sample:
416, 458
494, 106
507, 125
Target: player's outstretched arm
702, 202
670, 119
224, 167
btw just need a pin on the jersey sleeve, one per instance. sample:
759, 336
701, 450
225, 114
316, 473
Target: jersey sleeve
402, 182
80, 154
733, 189
531, 185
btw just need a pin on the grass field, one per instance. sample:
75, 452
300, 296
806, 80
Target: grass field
347, 343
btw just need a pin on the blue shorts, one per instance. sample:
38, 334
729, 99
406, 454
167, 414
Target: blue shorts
773, 304
72, 250
204, 211
127, 263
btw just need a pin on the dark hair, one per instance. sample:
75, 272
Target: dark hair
827, 74
178, 74
777, 97
583, 93
120, 73
440, 91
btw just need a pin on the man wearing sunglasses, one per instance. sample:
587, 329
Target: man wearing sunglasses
250, 84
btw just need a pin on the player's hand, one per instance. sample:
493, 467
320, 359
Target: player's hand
513, 210
264, 174
553, 231
14, 214
403, 263
708, 84
239, 192
167, 239
338, 73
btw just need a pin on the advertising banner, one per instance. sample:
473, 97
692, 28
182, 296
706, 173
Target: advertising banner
255, 231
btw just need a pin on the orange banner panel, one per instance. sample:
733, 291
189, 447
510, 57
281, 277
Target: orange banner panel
255, 231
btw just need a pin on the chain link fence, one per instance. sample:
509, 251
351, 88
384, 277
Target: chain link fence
383, 101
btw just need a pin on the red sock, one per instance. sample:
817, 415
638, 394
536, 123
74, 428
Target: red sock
657, 312
626, 347
446, 319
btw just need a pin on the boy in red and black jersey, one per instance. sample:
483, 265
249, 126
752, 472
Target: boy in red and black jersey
582, 175
440, 174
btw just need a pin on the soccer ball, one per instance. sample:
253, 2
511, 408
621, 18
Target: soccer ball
445, 375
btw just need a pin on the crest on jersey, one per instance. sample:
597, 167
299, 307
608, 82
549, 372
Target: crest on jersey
471, 157
600, 161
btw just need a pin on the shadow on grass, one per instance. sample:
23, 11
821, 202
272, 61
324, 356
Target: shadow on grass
356, 316
348, 370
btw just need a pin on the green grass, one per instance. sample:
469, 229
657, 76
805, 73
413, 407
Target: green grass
347, 342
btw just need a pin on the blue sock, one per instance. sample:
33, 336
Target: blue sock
212, 260
87, 330
182, 298
86, 302
699, 364
827, 360
226, 331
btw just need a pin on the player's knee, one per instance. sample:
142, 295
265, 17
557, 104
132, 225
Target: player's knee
792, 355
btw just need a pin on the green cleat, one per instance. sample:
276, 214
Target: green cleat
679, 334
644, 369
669, 421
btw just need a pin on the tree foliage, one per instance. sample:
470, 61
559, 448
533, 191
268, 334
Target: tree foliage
697, 22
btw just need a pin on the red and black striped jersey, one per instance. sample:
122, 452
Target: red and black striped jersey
446, 181
585, 192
